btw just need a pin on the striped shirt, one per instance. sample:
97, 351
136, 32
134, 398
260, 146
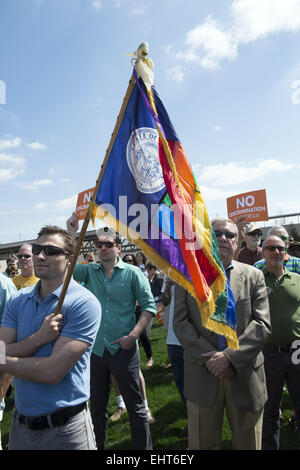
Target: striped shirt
291, 263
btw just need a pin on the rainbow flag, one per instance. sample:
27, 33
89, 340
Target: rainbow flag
148, 194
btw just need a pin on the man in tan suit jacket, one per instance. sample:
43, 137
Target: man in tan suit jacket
214, 379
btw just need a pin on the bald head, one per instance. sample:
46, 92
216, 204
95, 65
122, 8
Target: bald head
274, 250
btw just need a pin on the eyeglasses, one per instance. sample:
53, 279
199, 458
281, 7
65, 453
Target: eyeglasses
106, 244
228, 235
23, 256
281, 249
128, 260
253, 234
285, 239
49, 250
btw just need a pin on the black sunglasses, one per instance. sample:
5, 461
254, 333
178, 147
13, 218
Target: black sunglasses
253, 234
228, 235
106, 244
49, 250
23, 256
281, 249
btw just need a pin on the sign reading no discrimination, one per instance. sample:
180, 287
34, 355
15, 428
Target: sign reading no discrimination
251, 205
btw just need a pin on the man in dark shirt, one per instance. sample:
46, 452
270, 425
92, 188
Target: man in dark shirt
252, 251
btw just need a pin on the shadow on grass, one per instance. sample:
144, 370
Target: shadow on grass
157, 375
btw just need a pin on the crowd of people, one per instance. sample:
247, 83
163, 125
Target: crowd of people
63, 363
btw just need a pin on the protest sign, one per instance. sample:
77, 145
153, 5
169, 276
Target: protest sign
251, 205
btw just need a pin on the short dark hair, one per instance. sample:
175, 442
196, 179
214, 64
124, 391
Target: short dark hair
11, 268
12, 259
143, 256
69, 239
132, 256
150, 266
109, 232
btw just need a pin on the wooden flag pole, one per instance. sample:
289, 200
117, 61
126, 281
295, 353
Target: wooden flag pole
87, 217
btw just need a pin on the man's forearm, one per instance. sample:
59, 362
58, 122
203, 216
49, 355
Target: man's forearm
143, 321
32, 369
24, 348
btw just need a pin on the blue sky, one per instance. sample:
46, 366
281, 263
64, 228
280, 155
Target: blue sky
227, 71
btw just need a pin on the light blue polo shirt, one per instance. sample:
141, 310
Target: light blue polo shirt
118, 296
7, 288
82, 315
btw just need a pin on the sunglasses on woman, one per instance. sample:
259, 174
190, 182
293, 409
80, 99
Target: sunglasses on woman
49, 250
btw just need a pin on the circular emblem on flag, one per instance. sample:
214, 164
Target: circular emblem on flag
142, 155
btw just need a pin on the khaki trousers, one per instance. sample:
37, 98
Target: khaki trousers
205, 424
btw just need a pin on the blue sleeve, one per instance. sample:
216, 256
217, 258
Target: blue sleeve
260, 264
7, 289
82, 318
10, 315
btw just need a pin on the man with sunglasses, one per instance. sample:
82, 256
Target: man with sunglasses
27, 277
252, 251
291, 263
283, 289
118, 286
48, 355
215, 376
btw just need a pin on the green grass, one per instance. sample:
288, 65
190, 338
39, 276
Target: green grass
166, 406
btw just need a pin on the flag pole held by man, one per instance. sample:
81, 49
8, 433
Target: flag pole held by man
146, 167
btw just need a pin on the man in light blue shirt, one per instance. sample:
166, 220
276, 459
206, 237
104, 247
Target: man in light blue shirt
50, 355
7, 288
118, 286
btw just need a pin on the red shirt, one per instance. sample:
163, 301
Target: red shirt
250, 257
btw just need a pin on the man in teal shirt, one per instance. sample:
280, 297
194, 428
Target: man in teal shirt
118, 286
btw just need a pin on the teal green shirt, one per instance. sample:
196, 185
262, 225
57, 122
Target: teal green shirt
118, 296
284, 302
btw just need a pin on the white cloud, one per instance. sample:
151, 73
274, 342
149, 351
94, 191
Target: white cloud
217, 128
176, 73
208, 43
234, 173
138, 11
8, 143
35, 185
214, 194
36, 146
255, 19
97, 5
11, 166
67, 203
